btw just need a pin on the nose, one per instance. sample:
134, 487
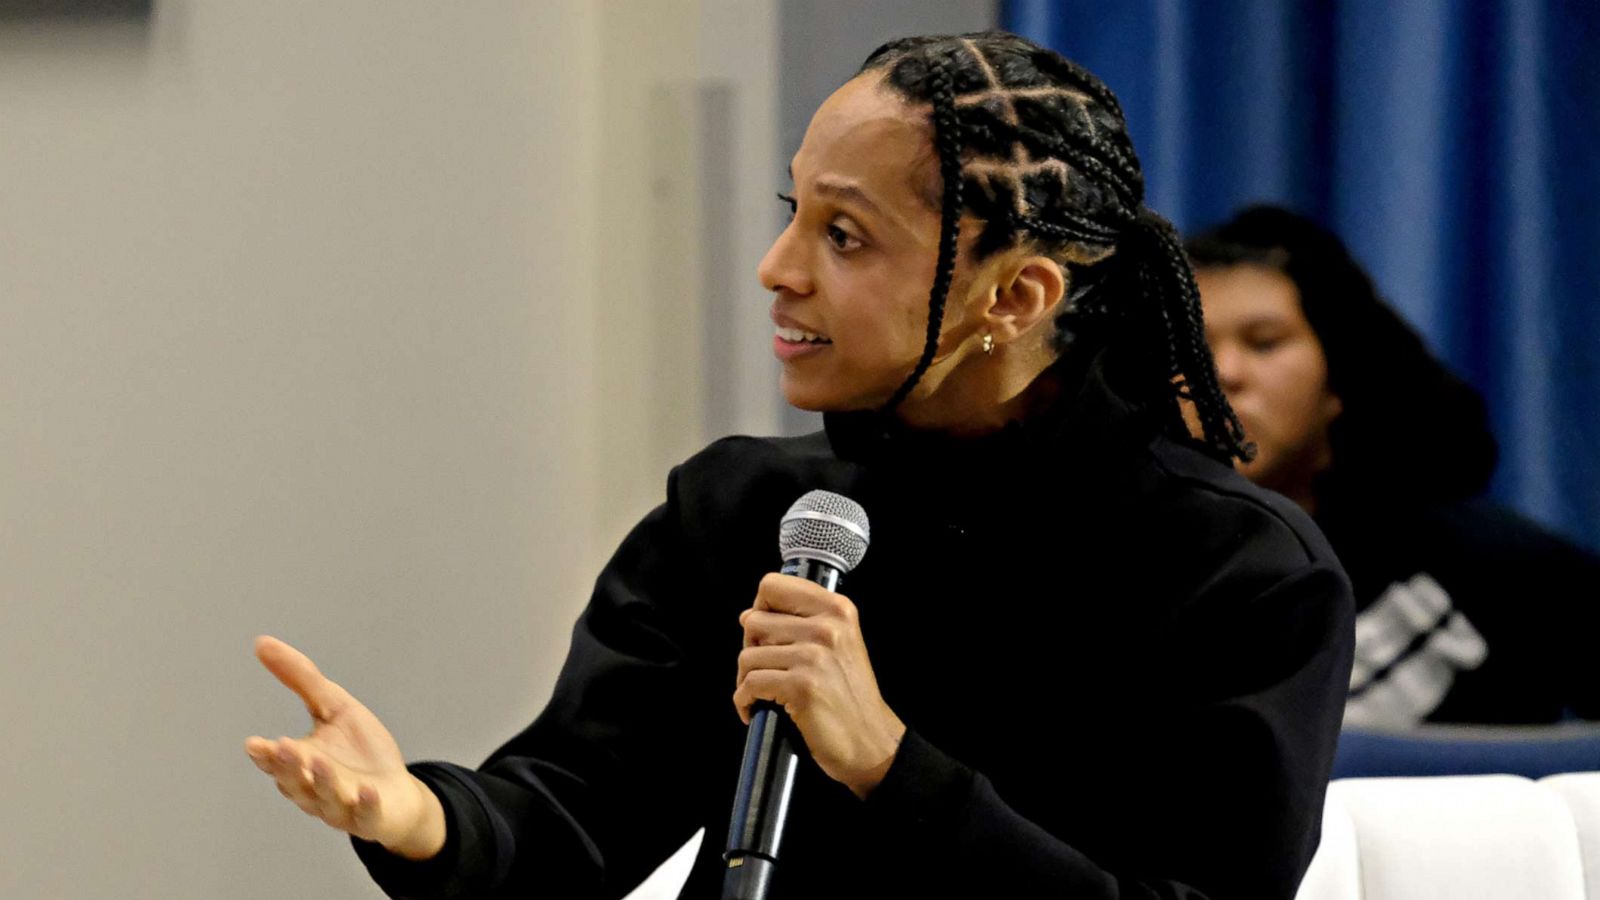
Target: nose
785, 268
1230, 366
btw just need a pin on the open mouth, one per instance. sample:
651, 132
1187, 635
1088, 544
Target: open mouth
796, 336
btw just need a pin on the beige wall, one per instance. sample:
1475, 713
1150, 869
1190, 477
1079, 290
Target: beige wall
347, 322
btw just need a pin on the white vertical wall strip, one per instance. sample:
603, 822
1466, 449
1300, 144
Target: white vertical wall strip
321, 320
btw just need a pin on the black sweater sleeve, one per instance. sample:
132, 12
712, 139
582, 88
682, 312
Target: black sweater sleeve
597, 791
1232, 800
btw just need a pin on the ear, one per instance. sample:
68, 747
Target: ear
1026, 292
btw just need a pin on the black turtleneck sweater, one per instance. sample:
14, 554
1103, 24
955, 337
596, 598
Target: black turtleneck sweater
1121, 665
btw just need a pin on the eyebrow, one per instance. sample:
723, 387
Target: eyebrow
849, 192
1257, 321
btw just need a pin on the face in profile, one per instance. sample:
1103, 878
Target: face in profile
852, 271
1273, 371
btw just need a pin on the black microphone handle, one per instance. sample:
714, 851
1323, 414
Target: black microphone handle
766, 780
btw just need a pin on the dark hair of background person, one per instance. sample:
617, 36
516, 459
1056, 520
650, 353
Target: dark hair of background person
1036, 147
1410, 430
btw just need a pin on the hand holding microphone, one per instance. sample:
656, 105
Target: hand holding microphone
804, 667
803, 650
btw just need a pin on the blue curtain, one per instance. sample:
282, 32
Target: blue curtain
1454, 145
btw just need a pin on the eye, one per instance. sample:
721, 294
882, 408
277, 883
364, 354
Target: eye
842, 240
1264, 345
791, 204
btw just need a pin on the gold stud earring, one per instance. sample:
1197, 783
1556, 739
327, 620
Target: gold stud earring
988, 345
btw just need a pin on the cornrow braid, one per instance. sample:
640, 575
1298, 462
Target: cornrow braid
1081, 151
1072, 73
947, 141
1036, 147
1072, 228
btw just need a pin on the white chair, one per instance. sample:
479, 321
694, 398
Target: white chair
1581, 791
1495, 837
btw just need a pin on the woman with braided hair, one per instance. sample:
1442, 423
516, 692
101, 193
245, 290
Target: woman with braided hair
1083, 657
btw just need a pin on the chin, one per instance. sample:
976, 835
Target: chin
811, 402
800, 398
817, 398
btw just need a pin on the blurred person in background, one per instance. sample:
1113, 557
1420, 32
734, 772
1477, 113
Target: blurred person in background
1101, 662
1467, 612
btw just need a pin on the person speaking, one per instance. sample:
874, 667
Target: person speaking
1083, 656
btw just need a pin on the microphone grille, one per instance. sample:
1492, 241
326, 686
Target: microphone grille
827, 526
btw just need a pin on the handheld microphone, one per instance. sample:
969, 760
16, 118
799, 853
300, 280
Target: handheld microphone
821, 537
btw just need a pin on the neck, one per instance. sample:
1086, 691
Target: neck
1305, 497
982, 394
1299, 483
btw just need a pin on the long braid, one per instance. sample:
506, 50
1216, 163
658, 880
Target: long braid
1180, 299
947, 140
1051, 165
